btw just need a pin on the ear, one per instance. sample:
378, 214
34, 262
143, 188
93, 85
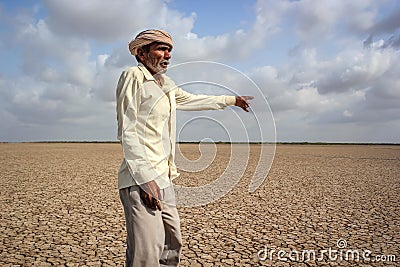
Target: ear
141, 54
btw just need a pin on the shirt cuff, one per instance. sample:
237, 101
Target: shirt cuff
230, 100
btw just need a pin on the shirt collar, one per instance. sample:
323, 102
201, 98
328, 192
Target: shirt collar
146, 72
148, 76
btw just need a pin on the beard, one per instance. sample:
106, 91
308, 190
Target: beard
157, 66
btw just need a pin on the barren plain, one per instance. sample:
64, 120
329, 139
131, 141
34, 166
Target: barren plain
60, 207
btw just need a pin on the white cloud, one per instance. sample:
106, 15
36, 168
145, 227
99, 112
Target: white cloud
107, 21
353, 70
52, 57
354, 86
324, 20
347, 113
106, 79
232, 46
71, 61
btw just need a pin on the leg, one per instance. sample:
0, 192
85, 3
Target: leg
145, 230
173, 240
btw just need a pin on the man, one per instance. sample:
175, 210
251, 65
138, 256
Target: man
147, 100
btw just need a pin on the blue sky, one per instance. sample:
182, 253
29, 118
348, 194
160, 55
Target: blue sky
328, 70
217, 17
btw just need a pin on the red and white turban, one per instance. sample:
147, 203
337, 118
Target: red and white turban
148, 37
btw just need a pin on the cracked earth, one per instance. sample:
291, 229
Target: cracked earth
60, 207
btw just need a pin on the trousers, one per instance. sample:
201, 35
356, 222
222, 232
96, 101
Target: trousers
153, 236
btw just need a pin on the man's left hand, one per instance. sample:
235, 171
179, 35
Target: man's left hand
242, 101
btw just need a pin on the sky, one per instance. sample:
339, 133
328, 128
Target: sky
320, 71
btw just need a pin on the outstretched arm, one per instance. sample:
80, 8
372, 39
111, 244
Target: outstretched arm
188, 101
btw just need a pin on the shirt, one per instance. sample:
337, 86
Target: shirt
146, 115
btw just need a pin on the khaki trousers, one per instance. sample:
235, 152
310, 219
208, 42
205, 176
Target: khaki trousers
153, 237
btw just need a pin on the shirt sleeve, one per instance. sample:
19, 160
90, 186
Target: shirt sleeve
128, 103
192, 102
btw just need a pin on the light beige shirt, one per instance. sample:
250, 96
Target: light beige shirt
146, 114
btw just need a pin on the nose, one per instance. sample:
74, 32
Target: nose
167, 55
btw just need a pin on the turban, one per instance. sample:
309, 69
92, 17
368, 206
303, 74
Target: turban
148, 37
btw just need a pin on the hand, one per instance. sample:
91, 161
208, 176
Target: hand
242, 101
151, 195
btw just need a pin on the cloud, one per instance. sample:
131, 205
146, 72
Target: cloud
36, 102
388, 24
52, 88
114, 21
71, 59
237, 45
389, 27
356, 86
323, 20
354, 70
106, 78
51, 57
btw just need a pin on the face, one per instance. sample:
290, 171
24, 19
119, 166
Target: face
157, 59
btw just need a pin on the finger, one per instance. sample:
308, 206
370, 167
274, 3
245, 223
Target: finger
245, 101
143, 196
157, 204
152, 202
147, 199
156, 197
158, 193
245, 107
155, 193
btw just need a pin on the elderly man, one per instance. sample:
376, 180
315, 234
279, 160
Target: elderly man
147, 100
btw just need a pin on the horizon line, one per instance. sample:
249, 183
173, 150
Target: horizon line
218, 142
